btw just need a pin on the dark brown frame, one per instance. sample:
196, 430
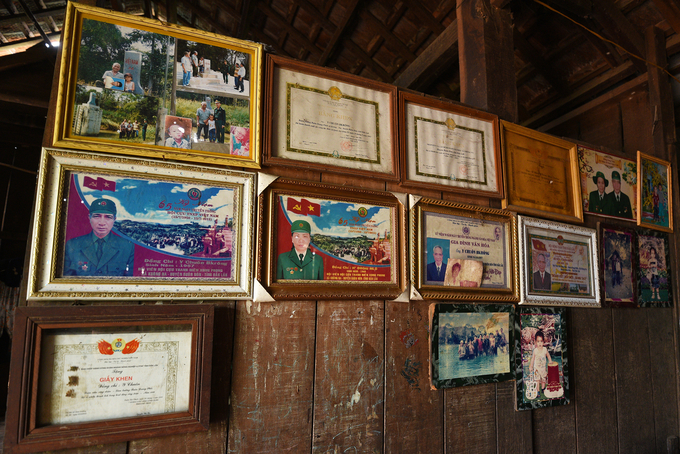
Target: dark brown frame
270, 111
601, 227
456, 109
21, 434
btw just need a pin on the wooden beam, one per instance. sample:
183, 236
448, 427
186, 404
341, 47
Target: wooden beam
418, 9
245, 20
339, 32
529, 53
622, 90
660, 93
397, 44
620, 30
368, 61
486, 58
670, 11
294, 33
433, 61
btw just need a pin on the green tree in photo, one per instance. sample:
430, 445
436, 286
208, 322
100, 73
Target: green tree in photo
101, 46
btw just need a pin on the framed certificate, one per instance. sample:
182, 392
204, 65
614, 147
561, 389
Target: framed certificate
471, 344
541, 359
90, 375
321, 241
446, 146
329, 120
541, 174
130, 228
558, 264
655, 196
451, 241
133, 85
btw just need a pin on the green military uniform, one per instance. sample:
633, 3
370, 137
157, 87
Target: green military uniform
618, 206
595, 203
291, 266
220, 121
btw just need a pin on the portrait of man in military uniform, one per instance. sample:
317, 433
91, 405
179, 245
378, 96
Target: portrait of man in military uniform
596, 202
300, 262
618, 203
99, 253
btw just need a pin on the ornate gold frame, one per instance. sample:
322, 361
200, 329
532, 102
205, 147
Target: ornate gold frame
64, 112
669, 195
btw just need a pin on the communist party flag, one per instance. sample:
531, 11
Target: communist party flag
303, 207
100, 184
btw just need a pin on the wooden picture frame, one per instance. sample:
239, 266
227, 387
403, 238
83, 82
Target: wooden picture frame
568, 256
552, 369
170, 231
66, 359
618, 260
655, 193
353, 248
91, 106
462, 233
541, 174
327, 120
447, 146
600, 172
654, 276
466, 334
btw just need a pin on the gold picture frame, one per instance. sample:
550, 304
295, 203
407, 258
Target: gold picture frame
655, 193
462, 232
541, 174
175, 231
154, 111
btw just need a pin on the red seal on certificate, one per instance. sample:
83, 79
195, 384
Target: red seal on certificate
346, 146
463, 170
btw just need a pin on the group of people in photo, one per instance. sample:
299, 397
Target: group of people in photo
614, 203
483, 345
130, 129
116, 80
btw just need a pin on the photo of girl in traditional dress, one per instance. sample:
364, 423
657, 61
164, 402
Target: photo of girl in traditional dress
541, 350
653, 270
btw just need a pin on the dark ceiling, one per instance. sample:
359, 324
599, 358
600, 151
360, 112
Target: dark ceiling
564, 51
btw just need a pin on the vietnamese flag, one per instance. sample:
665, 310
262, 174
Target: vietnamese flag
312, 209
100, 184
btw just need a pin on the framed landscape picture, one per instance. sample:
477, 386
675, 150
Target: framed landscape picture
328, 120
618, 261
135, 86
608, 184
558, 264
541, 174
447, 146
321, 241
470, 344
655, 287
541, 361
130, 228
462, 252
85, 375
655, 201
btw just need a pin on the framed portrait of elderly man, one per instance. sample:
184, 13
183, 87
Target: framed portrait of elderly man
129, 228
558, 264
328, 242
135, 86
462, 252
655, 195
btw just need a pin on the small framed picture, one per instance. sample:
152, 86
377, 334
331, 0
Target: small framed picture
450, 147
135, 86
654, 270
330, 121
462, 252
541, 174
542, 369
558, 264
113, 226
608, 184
471, 344
86, 375
618, 260
655, 201
329, 242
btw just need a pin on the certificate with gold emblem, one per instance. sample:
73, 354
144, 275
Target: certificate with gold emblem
324, 119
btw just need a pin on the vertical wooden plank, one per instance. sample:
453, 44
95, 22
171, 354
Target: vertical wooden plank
664, 378
271, 396
215, 439
514, 427
635, 408
470, 413
637, 122
554, 430
660, 93
349, 379
594, 384
602, 126
414, 414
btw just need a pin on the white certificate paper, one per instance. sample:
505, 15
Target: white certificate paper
87, 377
449, 149
326, 121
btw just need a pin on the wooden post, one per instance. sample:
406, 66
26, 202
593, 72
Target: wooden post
487, 60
